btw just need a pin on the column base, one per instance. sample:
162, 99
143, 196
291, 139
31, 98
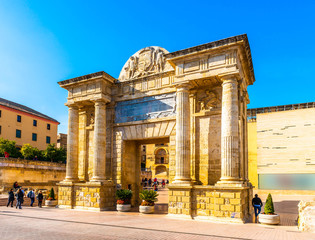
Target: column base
91, 196
98, 179
211, 203
224, 183
71, 180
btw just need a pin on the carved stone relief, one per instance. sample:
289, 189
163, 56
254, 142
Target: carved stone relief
208, 100
147, 61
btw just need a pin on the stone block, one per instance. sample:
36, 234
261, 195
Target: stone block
218, 213
216, 194
185, 199
235, 201
238, 208
219, 201
214, 207
227, 195
227, 208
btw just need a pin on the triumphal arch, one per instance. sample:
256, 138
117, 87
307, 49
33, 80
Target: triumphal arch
195, 99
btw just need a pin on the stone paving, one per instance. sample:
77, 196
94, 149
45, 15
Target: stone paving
51, 223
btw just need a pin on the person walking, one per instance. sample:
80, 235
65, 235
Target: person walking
20, 199
40, 198
11, 198
163, 183
150, 182
31, 195
257, 204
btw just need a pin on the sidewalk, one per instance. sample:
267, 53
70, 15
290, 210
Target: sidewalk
53, 223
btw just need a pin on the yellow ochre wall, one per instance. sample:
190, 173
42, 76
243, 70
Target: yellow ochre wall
252, 153
9, 124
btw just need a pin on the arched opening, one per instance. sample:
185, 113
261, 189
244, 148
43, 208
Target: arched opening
161, 156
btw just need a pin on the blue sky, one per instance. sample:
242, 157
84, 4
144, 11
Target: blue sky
43, 42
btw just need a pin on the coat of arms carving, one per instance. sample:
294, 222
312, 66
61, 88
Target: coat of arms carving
147, 61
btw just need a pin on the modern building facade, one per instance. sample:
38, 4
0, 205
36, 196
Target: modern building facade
25, 125
281, 147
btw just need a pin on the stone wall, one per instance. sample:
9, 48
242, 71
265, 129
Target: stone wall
35, 174
207, 202
87, 196
307, 216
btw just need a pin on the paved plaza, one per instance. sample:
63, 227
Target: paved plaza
53, 223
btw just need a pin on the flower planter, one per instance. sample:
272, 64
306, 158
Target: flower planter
123, 207
51, 203
146, 209
269, 219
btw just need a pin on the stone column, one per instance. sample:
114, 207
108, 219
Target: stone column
72, 144
82, 171
99, 161
193, 167
230, 162
182, 135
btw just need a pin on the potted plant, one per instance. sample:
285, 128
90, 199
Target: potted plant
269, 216
51, 200
148, 198
123, 197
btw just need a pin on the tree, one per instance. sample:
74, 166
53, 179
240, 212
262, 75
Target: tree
30, 152
55, 154
269, 209
9, 147
51, 195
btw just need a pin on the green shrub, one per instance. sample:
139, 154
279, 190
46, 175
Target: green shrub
9, 147
148, 197
123, 196
51, 195
269, 209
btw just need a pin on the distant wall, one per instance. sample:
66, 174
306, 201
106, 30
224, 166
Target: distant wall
252, 153
285, 150
35, 174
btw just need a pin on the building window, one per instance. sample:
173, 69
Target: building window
48, 126
19, 118
0, 113
34, 137
0, 129
47, 139
35, 123
18, 133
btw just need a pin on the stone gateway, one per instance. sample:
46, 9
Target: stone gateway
194, 99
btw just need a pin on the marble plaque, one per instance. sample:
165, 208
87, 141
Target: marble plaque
145, 108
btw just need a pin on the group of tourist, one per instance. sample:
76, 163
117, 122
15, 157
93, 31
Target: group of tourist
155, 183
20, 194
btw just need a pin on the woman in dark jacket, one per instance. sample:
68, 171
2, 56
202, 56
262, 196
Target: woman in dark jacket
40, 198
11, 198
20, 198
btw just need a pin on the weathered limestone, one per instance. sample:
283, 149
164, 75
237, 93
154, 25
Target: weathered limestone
182, 135
191, 99
229, 134
99, 162
72, 144
307, 216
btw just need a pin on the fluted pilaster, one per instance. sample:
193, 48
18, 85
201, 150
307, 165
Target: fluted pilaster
99, 161
72, 144
182, 135
230, 162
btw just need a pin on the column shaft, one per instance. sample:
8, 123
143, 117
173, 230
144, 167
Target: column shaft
230, 165
72, 144
182, 135
99, 161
